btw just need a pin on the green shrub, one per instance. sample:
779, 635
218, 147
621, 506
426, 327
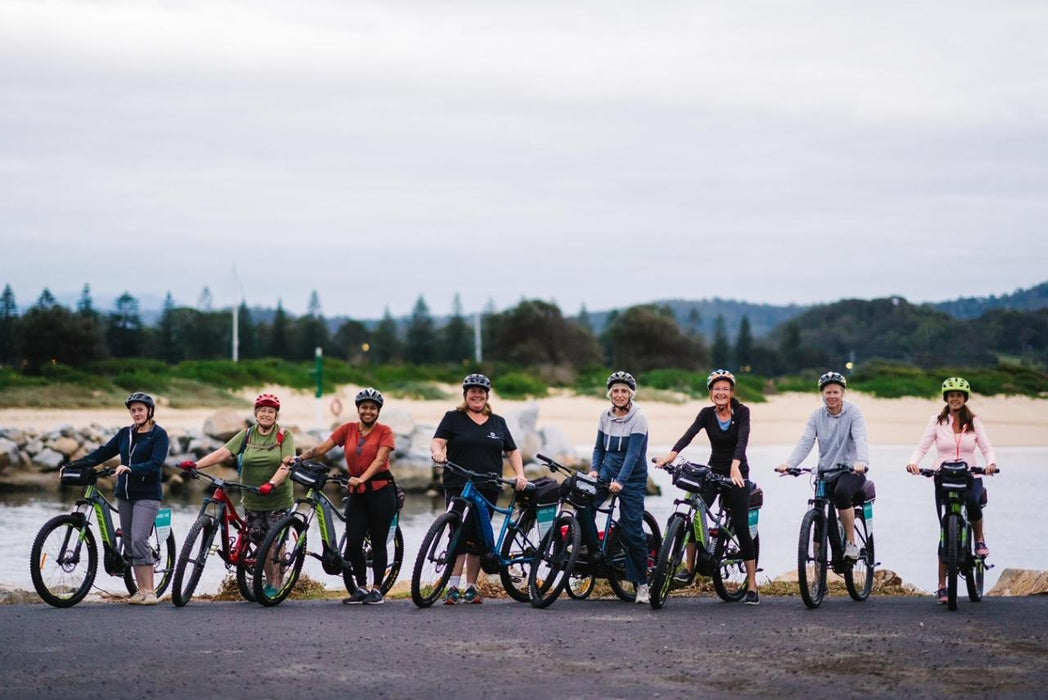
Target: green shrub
519, 385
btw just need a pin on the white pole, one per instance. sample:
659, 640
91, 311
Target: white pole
479, 352
236, 316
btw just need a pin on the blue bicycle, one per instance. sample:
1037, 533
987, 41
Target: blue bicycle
509, 556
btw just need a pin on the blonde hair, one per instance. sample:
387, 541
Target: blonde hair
464, 407
632, 392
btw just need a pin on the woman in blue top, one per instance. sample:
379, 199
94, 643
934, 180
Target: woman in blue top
620, 457
142, 448
727, 424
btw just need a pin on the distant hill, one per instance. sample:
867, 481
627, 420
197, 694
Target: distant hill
1030, 299
763, 317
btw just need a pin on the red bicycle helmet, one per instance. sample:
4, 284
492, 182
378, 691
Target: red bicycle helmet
267, 400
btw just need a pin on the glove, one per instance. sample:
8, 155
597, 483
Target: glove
266, 488
188, 464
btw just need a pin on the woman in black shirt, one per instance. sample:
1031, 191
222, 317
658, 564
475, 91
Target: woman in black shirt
727, 424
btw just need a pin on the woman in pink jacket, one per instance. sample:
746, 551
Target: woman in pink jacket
957, 432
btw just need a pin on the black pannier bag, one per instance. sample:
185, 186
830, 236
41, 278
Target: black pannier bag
78, 475
546, 493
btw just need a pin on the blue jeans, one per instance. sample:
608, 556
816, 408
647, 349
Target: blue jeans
630, 528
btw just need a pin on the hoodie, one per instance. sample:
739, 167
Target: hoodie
842, 438
621, 449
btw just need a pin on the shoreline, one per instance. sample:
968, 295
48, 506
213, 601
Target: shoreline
1010, 421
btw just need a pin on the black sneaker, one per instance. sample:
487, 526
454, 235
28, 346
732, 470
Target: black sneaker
356, 597
752, 598
374, 597
682, 577
452, 596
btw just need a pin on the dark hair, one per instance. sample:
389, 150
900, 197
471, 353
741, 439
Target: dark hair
965, 414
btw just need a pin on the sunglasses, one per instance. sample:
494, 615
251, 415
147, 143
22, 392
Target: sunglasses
360, 445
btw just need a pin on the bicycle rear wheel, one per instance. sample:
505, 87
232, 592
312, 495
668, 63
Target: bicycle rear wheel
859, 576
519, 548
282, 552
195, 550
163, 554
670, 555
974, 579
63, 561
551, 568
246, 569
580, 585
811, 559
953, 558
394, 562
622, 588
729, 577
435, 560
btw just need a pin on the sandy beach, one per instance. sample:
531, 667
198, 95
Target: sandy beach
1010, 421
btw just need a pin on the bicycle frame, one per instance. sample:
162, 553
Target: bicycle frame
94, 501
831, 533
220, 506
472, 499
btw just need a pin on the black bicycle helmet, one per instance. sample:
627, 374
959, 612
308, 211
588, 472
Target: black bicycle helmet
369, 394
833, 378
140, 397
621, 377
477, 380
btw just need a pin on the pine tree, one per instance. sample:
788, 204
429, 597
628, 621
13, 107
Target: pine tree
124, 333
8, 327
744, 345
278, 334
85, 306
386, 346
420, 347
457, 335
720, 353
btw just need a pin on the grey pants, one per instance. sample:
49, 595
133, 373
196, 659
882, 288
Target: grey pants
136, 523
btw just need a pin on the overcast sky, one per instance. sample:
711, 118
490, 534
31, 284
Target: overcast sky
605, 153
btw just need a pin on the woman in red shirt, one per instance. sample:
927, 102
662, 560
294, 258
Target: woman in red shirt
372, 494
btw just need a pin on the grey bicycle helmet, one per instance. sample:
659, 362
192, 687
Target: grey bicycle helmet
476, 380
369, 394
719, 374
621, 377
833, 378
143, 398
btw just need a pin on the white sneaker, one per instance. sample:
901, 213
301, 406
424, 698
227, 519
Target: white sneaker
851, 552
643, 596
135, 598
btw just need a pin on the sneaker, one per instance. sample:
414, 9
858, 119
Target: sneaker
643, 596
473, 596
356, 597
851, 552
374, 597
453, 596
135, 598
942, 597
682, 577
149, 598
752, 598
981, 550
270, 591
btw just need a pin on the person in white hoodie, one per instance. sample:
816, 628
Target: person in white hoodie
840, 429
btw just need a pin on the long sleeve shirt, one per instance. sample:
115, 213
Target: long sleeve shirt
842, 438
725, 445
621, 450
951, 446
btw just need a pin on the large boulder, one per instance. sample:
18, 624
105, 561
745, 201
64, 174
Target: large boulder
223, 424
1021, 582
556, 446
66, 445
49, 459
399, 420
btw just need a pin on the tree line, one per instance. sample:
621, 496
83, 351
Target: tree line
533, 333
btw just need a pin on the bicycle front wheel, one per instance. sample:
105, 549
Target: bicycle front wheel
279, 561
811, 559
435, 560
953, 558
246, 569
670, 556
518, 549
859, 576
974, 579
554, 562
63, 561
192, 558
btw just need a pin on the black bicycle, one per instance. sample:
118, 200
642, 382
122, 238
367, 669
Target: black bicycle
821, 545
953, 480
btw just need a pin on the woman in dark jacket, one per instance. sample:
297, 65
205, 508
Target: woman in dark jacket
142, 448
727, 424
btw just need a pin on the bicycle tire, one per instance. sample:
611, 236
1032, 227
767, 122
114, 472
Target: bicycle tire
394, 562
670, 555
580, 586
625, 590
953, 558
729, 577
553, 563
284, 546
195, 552
858, 578
811, 559
246, 571
435, 560
519, 548
58, 575
974, 579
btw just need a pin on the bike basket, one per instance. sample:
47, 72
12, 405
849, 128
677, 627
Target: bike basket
545, 493
310, 477
79, 476
690, 477
756, 496
583, 490
954, 476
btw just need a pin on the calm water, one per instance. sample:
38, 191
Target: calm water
904, 520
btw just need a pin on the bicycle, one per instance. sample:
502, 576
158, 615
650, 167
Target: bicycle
218, 513
717, 551
285, 546
956, 543
568, 558
62, 574
509, 555
820, 546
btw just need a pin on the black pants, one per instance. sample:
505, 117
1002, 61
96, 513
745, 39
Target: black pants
845, 488
369, 514
472, 538
736, 499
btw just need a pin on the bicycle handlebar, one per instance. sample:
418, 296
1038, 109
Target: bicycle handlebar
221, 483
972, 470
483, 476
797, 471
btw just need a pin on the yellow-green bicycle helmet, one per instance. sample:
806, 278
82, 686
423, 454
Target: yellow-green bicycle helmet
956, 384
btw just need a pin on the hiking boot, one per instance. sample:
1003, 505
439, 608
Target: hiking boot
981, 550
851, 552
643, 595
473, 596
356, 597
374, 597
942, 597
453, 596
752, 598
